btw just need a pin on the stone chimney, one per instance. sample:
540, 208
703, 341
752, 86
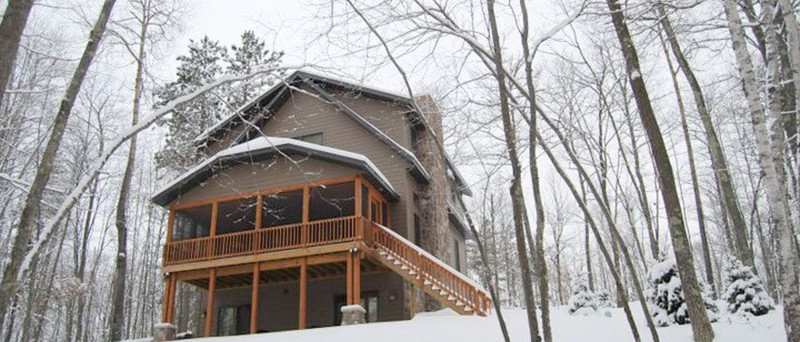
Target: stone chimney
433, 196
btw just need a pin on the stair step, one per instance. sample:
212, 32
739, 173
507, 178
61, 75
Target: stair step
404, 267
443, 292
468, 309
389, 257
412, 272
397, 262
381, 253
436, 287
459, 303
426, 283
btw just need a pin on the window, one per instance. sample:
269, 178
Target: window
384, 214
417, 231
457, 255
233, 320
315, 138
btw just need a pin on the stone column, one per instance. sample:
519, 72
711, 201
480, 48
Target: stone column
164, 332
353, 314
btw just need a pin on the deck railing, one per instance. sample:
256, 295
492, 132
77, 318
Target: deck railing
270, 239
428, 268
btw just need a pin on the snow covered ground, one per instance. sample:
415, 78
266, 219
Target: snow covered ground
446, 325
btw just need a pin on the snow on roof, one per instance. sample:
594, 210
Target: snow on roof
270, 145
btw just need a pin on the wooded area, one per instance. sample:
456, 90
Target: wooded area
661, 136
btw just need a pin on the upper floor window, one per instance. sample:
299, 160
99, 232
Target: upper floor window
315, 138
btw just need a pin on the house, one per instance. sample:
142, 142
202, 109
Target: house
320, 203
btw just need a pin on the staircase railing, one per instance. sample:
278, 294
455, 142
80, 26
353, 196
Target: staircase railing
429, 270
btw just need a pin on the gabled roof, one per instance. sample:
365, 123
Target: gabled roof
262, 147
274, 97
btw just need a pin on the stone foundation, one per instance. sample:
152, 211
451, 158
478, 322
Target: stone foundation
353, 314
164, 332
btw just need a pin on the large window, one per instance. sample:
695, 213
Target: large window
236, 216
282, 208
331, 201
192, 223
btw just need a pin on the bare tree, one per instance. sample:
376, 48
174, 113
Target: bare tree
701, 326
30, 212
14, 21
770, 144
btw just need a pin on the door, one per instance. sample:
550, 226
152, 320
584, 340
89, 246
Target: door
375, 210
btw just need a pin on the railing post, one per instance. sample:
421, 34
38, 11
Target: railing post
213, 229
304, 225
256, 243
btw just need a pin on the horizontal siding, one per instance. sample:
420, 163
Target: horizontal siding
303, 114
265, 175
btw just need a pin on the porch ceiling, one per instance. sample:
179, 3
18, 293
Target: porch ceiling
319, 271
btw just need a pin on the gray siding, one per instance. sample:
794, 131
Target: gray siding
265, 175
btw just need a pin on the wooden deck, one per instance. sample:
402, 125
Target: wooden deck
351, 241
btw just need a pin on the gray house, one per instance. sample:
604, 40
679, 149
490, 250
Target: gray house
320, 203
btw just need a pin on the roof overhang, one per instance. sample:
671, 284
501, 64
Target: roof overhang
265, 147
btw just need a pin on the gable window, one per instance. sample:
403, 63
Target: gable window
315, 138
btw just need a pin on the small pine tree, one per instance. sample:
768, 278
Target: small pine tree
665, 296
583, 301
745, 294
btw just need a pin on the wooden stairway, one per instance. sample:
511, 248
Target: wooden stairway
437, 279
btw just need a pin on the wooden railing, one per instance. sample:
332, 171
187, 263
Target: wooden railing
428, 268
271, 239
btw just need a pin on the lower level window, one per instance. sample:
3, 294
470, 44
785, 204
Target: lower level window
233, 320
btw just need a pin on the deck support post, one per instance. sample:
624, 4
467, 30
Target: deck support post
168, 305
254, 304
303, 287
356, 277
212, 288
349, 276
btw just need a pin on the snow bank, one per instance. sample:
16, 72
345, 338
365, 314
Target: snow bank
446, 325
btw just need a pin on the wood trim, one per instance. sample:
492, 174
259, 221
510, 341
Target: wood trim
173, 289
170, 224
212, 288
246, 259
349, 277
254, 299
356, 277
301, 319
165, 300
357, 193
264, 192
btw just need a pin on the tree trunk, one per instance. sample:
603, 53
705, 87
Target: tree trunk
517, 199
14, 20
770, 155
694, 300
30, 212
487, 276
743, 249
120, 267
538, 247
587, 246
698, 199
